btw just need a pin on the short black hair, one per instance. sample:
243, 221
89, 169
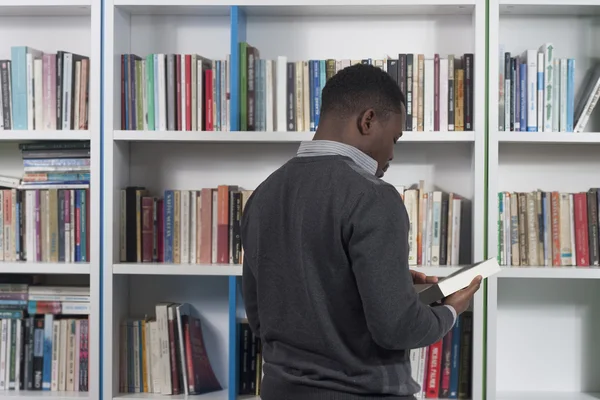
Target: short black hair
360, 87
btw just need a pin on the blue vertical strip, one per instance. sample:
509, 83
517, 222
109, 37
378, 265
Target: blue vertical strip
238, 34
233, 339
101, 272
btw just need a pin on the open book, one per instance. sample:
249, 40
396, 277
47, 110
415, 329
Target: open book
431, 293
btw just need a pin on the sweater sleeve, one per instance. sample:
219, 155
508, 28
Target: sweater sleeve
250, 296
378, 251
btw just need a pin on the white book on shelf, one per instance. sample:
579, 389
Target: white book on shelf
280, 93
458, 280
507, 96
530, 58
416, 96
501, 89
588, 99
162, 92
193, 226
443, 92
556, 95
540, 92
55, 354
3, 347
67, 95
456, 216
162, 320
436, 215
144, 95
429, 99
30, 92
156, 363
547, 51
269, 95
70, 359
76, 95
411, 200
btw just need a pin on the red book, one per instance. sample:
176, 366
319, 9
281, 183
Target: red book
173, 351
433, 374
160, 240
446, 365
178, 125
208, 100
223, 224
436, 92
188, 92
581, 230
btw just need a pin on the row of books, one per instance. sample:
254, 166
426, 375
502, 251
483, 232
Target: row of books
550, 229
40, 347
184, 92
435, 225
49, 225
166, 354
183, 227
44, 91
250, 361
443, 370
537, 92
286, 96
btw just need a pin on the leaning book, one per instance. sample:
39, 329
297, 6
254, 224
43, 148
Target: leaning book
432, 293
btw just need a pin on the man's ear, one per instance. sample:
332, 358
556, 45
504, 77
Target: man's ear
365, 121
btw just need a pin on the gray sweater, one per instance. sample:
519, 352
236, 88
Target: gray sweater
326, 283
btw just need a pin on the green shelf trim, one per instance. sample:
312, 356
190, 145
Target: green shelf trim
486, 189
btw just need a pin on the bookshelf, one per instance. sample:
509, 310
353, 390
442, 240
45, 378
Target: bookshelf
540, 319
191, 160
50, 26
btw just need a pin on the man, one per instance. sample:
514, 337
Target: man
326, 281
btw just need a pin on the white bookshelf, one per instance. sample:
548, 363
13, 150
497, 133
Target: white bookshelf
159, 160
540, 320
49, 26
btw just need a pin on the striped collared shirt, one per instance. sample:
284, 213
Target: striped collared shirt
329, 148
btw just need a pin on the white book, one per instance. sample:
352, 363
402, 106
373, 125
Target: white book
162, 93
1, 113
3, 345
547, 51
38, 104
540, 92
411, 200
429, 238
501, 89
280, 94
456, 211
185, 227
70, 359
182, 96
269, 96
76, 91
415, 94
443, 94
458, 280
530, 58
165, 356
429, 99
556, 95
30, 92
436, 215
200, 91
507, 97
563, 95
423, 357
193, 226
155, 350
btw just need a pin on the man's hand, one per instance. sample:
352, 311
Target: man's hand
420, 278
460, 300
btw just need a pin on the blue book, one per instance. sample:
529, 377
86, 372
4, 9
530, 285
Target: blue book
523, 96
169, 225
322, 81
47, 369
311, 92
83, 225
316, 85
570, 93
455, 359
18, 56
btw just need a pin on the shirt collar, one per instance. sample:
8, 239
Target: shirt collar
329, 147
